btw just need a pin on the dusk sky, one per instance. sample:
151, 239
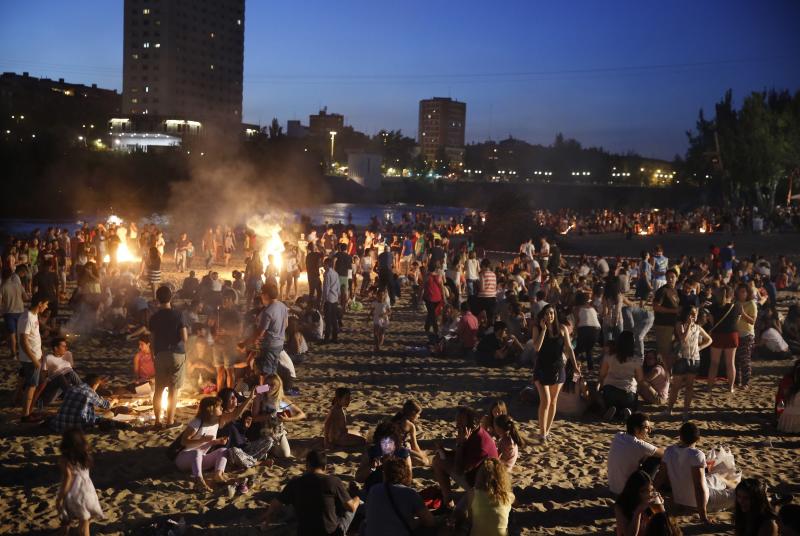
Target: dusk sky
623, 75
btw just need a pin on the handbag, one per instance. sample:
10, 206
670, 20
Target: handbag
733, 305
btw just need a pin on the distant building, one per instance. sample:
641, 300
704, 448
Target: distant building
295, 129
365, 169
441, 129
183, 61
32, 104
323, 123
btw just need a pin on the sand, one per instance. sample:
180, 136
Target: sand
560, 487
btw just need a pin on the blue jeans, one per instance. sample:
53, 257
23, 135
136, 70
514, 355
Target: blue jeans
267, 360
639, 321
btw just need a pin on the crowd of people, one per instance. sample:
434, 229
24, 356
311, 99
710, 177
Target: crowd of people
660, 221
581, 325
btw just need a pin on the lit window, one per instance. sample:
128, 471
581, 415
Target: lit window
145, 11
134, 100
212, 66
239, 22
135, 56
146, 45
147, 89
212, 35
157, 45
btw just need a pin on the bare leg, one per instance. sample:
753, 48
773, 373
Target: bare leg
173, 403
713, 367
220, 378
230, 374
554, 391
730, 366
544, 404
83, 527
689, 394
157, 405
28, 401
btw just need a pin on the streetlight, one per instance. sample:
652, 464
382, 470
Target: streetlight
333, 137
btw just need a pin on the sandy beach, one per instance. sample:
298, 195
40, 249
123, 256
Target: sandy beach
561, 487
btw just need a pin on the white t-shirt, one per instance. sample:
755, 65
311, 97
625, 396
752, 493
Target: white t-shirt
201, 431
472, 268
587, 317
28, 328
624, 457
622, 375
535, 266
56, 366
680, 461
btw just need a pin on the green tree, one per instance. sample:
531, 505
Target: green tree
275, 129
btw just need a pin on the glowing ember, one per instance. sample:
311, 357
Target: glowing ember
565, 231
643, 232
702, 230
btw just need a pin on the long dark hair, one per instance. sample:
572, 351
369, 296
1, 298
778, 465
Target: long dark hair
747, 523
540, 316
625, 346
507, 424
628, 500
75, 448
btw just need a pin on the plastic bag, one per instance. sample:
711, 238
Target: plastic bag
722, 467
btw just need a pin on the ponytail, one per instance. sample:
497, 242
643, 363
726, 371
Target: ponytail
507, 424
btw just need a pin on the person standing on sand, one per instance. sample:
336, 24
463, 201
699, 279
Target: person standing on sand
169, 333
30, 351
551, 341
270, 332
12, 302
330, 302
77, 498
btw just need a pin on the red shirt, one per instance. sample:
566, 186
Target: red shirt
479, 445
468, 330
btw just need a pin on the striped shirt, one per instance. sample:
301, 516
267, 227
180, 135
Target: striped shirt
488, 282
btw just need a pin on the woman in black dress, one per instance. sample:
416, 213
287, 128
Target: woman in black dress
551, 341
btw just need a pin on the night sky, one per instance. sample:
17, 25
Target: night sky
623, 75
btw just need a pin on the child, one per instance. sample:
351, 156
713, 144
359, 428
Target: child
77, 498
335, 433
491, 499
497, 408
381, 310
144, 368
508, 440
406, 421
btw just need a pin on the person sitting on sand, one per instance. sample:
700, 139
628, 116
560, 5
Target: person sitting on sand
78, 408
637, 504
753, 515
684, 467
787, 401
498, 348
492, 499
406, 420
473, 444
620, 373
497, 408
200, 436
509, 440
59, 375
335, 432
322, 504
386, 444
630, 451
654, 388
77, 497
144, 368
270, 410
395, 508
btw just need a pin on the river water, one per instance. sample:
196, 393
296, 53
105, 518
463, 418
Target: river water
333, 213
